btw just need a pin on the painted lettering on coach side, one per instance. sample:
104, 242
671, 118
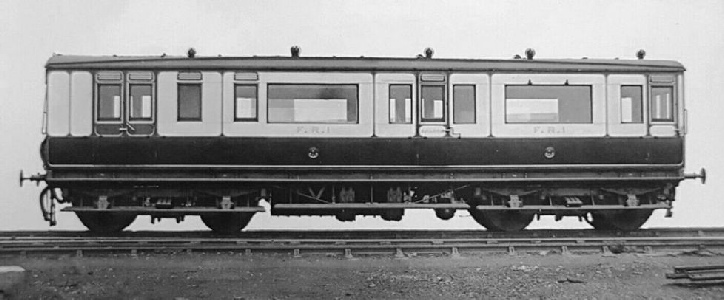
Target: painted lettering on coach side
313, 129
549, 129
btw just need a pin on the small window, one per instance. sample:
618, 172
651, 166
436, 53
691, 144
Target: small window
433, 103
245, 103
464, 104
189, 102
312, 103
109, 102
631, 104
141, 102
662, 104
400, 104
548, 104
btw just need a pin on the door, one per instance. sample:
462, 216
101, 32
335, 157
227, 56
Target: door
627, 108
124, 103
395, 107
432, 106
663, 105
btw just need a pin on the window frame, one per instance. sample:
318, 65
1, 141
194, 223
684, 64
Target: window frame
474, 108
98, 118
421, 105
672, 103
268, 101
620, 104
591, 102
178, 102
151, 86
389, 103
256, 102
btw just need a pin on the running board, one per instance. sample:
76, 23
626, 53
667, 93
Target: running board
355, 206
371, 206
166, 211
383, 206
542, 208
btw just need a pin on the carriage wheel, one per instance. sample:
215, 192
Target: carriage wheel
506, 221
226, 223
105, 222
624, 220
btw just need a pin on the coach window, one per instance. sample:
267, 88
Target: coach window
189, 102
433, 103
312, 103
662, 103
632, 104
548, 104
109, 102
245, 105
464, 104
400, 104
141, 104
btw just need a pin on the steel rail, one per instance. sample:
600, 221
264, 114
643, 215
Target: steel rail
347, 247
368, 234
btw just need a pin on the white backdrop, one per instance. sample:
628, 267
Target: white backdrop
691, 32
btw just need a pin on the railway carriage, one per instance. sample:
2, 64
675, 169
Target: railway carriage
507, 140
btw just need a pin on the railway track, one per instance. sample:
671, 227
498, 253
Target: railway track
352, 243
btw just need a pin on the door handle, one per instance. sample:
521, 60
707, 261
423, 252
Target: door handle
126, 127
451, 133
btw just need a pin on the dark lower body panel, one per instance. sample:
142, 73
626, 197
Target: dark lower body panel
313, 153
201, 160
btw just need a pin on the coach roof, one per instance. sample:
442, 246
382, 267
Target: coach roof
278, 63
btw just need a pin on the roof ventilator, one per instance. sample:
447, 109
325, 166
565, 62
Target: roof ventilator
191, 53
641, 54
429, 52
295, 51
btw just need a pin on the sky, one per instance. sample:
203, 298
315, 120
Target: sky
691, 32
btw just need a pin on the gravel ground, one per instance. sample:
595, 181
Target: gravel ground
266, 276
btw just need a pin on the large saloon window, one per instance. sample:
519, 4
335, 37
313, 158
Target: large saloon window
312, 103
141, 104
189, 102
245, 103
109, 102
632, 104
433, 103
662, 104
548, 104
464, 104
400, 104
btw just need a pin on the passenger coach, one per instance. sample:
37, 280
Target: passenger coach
507, 140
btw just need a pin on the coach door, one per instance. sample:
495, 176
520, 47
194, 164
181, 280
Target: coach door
432, 106
124, 103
